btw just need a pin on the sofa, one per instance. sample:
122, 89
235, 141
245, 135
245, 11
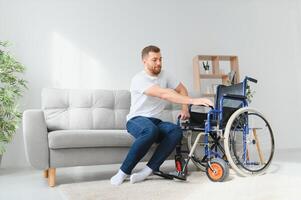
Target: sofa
80, 128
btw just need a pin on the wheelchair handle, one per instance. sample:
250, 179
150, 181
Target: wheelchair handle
251, 79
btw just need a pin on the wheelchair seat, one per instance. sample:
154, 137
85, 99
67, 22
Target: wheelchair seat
197, 119
226, 106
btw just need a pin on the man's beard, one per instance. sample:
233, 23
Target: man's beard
156, 70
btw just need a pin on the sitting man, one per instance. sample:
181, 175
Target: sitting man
150, 89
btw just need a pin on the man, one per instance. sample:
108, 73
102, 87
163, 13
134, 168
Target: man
150, 89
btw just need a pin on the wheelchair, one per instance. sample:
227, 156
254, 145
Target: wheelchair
230, 134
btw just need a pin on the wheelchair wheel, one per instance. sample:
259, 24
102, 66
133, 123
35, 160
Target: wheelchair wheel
218, 170
199, 151
248, 142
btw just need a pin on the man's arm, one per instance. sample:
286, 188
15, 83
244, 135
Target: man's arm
181, 89
174, 97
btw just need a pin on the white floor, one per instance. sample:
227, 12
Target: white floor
29, 184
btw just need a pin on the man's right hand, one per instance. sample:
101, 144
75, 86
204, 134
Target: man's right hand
202, 101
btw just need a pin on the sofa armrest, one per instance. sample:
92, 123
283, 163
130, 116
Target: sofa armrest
36, 138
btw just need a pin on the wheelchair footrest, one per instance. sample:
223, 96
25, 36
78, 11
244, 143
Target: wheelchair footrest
163, 175
178, 175
171, 175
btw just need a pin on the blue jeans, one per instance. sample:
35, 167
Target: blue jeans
148, 131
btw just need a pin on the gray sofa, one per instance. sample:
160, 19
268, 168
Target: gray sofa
80, 128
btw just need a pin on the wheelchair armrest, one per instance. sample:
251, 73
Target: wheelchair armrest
235, 96
190, 105
179, 123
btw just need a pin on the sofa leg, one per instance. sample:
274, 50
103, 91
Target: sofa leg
46, 173
51, 177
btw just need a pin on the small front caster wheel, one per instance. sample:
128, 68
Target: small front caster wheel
218, 170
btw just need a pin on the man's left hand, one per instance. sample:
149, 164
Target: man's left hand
184, 114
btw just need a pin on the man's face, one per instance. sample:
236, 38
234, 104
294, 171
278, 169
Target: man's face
153, 62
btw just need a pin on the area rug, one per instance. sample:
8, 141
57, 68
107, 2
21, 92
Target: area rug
275, 185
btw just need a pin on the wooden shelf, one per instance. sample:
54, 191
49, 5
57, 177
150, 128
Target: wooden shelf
213, 76
219, 57
214, 70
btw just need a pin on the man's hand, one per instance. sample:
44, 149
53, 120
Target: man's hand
202, 101
184, 114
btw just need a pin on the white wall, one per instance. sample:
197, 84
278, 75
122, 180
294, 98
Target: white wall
298, 52
97, 44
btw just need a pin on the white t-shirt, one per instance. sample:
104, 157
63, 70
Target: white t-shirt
148, 106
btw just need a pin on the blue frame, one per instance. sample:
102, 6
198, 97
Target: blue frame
218, 115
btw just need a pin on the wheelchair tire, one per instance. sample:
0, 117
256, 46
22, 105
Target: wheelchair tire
219, 170
248, 142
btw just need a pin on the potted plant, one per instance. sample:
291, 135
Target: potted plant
11, 87
249, 93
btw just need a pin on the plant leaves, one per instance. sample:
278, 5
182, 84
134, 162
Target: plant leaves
11, 88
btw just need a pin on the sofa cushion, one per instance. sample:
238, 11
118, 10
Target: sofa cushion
62, 139
85, 109
91, 109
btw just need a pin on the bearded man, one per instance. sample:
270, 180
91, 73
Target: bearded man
150, 91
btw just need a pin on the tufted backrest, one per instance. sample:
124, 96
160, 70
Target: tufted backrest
91, 109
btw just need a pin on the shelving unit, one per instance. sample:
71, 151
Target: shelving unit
215, 72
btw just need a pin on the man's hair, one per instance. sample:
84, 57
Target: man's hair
148, 49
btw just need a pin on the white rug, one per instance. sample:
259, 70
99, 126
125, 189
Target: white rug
281, 183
